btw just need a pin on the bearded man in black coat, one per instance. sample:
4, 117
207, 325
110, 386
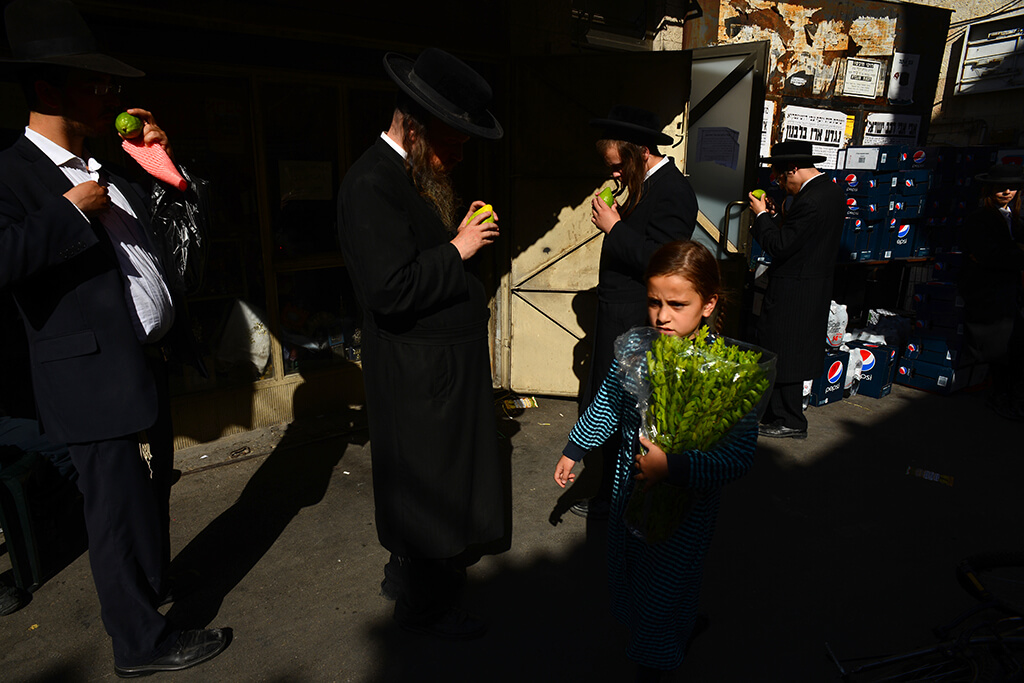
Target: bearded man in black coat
437, 480
803, 247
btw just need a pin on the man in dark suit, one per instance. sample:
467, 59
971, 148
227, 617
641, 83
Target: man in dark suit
803, 247
661, 207
437, 480
79, 257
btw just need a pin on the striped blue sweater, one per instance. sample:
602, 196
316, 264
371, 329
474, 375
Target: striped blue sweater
655, 588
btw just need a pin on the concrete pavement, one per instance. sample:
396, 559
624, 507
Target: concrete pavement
827, 539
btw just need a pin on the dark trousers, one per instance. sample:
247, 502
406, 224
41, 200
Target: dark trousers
613, 320
127, 517
427, 587
786, 406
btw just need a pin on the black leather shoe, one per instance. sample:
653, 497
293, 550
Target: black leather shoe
13, 599
781, 432
595, 508
452, 624
193, 647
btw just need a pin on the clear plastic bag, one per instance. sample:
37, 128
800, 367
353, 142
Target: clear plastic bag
179, 222
699, 392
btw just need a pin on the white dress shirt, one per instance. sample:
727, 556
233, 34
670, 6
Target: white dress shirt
146, 288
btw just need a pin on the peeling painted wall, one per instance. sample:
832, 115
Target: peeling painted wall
809, 42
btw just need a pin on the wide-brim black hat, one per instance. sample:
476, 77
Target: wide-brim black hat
53, 32
799, 152
448, 88
633, 124
1004, 175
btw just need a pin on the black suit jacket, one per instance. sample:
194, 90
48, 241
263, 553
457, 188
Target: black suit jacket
667, 212
89, 371
803, 247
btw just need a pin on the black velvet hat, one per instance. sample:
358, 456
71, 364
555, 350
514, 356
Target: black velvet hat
53, 32
799, 152
1003, 175
448, 88
633, 124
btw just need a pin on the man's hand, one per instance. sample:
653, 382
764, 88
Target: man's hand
603, 216
152, 134
651, 466
90, 197
475, 234
765, 203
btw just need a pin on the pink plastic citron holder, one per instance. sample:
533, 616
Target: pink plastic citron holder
154, 160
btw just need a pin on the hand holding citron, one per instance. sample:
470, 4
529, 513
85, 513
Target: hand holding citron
483, 209
127, 125
758, 193
607, 197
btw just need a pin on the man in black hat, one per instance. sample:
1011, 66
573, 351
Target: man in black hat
437, 480
660, 207
803, 247
77, 253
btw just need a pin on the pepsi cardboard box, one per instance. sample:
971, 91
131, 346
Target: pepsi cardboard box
851, 239
878, 367
948, 266
907, 208
828, 387
940, 379
942, 297
912, 182
935, 350
973, 160
904, 239
914, 158
882, 237
871, 184
879, 158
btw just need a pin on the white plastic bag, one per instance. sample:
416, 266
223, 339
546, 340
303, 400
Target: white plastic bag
837, 319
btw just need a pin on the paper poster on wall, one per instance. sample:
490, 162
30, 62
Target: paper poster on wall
719, 145
862, 77
767, 123
901, 80
823, 128
883, 128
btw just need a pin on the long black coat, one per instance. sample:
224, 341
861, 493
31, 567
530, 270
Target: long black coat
667, 212
803, 247
437, 480
991, 279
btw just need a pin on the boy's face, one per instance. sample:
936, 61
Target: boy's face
674, 307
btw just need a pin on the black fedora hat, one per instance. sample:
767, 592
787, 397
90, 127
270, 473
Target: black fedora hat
633, 124
53, 32
799, 152
448, 88
1003, 175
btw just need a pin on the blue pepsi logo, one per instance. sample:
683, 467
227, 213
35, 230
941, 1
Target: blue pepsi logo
872, 183
892, 222
904, 229
909, 182
835, 372
867, 360
851, 203
919, 156
851, 180
856, 224
872, 208
904, 370
911, 347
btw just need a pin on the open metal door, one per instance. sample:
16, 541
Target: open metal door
549, 290
726, 110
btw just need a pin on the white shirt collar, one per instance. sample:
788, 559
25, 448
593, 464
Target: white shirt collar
58, 155
664, 160
394, 145
809, 180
